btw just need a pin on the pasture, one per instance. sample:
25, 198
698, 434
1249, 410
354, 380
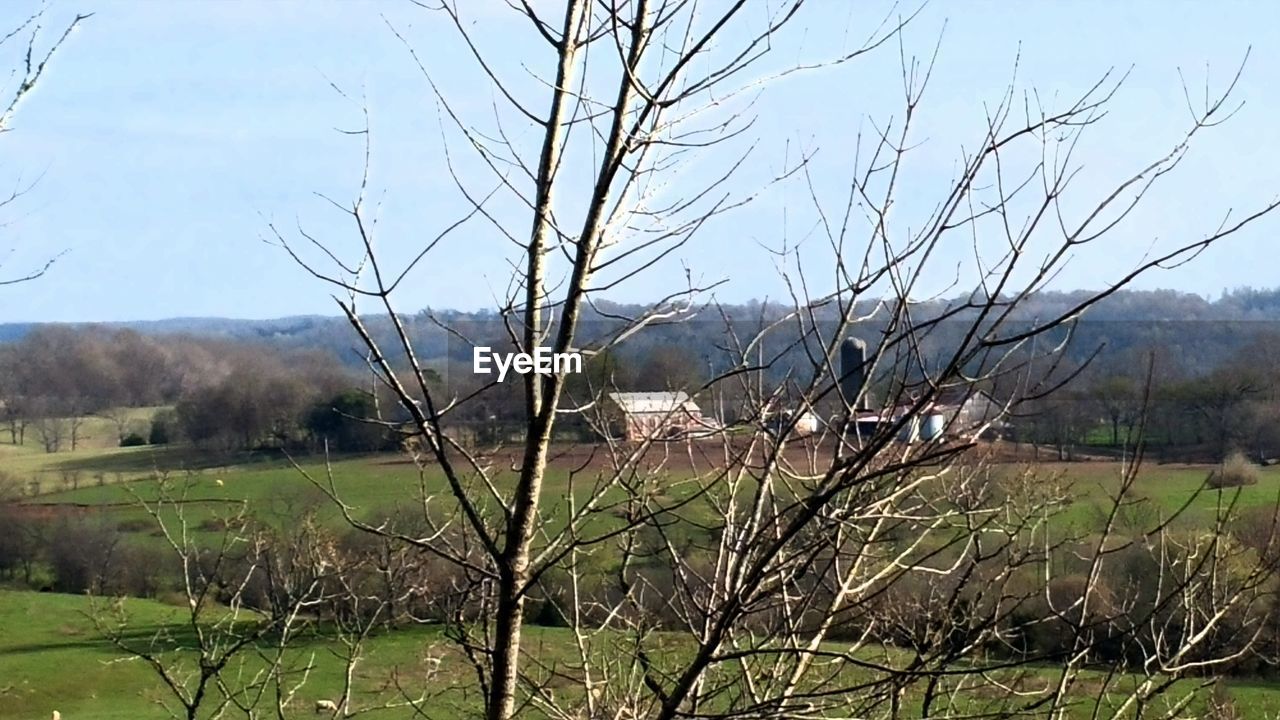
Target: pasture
113, 480
52, 657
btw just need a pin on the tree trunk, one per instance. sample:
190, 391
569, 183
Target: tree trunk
514, 563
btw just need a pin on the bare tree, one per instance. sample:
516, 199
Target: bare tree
868, 571
248, 597
21, 544
122, 421
231, 616
35, 57
51, 427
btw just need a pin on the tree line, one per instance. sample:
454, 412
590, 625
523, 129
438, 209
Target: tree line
1211, 329
1213, 389
1182, 411
215, 393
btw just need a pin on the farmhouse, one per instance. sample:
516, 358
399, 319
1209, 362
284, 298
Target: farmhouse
642, 415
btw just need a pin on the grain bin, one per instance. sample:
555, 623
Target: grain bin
931, 428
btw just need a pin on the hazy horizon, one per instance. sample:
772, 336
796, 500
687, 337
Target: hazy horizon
449, 310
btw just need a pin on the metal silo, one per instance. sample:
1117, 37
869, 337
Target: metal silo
853, 375
931, 428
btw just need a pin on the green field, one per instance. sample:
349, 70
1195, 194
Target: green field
269, 482
1166, 489
94, 459
51, 657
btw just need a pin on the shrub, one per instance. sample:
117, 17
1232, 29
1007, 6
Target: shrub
1259, 528
135, 525
1235, 471
163, 424
1221, 706
133, 439
140, 571
337, 420
213, 524
20, 542
175, 598
82, 556
547, 614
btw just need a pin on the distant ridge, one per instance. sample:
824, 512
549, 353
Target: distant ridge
1245, 304
1205, 331
200, 326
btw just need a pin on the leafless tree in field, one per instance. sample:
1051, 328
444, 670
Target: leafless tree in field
36, 53
248, 598
229, 589
752, 574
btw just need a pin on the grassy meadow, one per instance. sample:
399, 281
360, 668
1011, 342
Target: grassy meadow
52, 657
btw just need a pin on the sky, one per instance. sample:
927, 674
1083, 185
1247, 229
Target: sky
167, 138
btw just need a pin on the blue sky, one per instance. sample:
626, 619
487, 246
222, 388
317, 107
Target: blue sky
168, 134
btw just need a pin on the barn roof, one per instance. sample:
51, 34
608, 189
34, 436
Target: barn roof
638, 403
959, 395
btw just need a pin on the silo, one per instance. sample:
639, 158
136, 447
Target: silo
933, 426
806, 424
853, 361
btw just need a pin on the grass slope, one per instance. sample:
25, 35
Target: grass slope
53, 658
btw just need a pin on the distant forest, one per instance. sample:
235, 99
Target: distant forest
292, 381
1202, 333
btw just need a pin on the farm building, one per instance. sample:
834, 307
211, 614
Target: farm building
801, 423
641, 415
957, 413
965, 410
